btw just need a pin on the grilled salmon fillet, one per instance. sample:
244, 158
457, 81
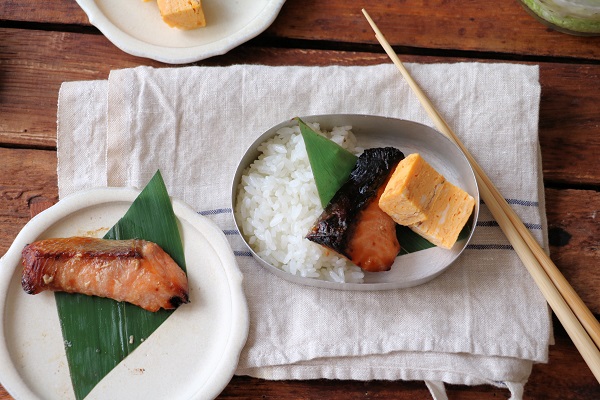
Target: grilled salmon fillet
352, 224
374, 244
134, 271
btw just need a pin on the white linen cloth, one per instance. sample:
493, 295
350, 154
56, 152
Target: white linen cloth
481, 322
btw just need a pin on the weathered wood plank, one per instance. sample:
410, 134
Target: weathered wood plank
473, 25
574, 232
569, 123
27, 177
32, 76
61, 12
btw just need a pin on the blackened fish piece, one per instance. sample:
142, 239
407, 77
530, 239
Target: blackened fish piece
352, 223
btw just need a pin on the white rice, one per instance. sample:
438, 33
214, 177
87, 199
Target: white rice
278, 203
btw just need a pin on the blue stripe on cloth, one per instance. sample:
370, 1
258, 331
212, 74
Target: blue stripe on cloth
231, 232
526, 203
518, 202
487, 223
216, 211
494, 224
242, 253
489, 247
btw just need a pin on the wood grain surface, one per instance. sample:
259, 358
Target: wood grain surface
468, 25
44, 44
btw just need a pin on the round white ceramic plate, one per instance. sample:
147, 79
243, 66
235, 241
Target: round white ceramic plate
192, 355
410, 137
136, 27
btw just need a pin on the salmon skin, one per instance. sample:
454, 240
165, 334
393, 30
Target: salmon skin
135, 271
352, 224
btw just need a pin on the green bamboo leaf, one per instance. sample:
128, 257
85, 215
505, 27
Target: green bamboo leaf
331, 164
99, 333
411, 242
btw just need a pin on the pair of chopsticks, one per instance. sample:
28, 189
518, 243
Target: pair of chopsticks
579, 322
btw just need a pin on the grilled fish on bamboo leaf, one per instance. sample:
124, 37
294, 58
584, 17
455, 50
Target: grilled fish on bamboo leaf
352, 224
135, 271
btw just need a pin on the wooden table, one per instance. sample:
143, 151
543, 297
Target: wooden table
44, 44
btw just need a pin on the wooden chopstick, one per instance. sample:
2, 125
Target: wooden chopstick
574, 315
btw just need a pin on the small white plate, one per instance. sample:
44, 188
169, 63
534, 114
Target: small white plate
137, 28
410, 137
192, 355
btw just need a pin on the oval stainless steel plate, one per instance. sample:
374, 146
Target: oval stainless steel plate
410, 137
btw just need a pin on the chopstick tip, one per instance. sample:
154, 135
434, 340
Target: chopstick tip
370, 21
